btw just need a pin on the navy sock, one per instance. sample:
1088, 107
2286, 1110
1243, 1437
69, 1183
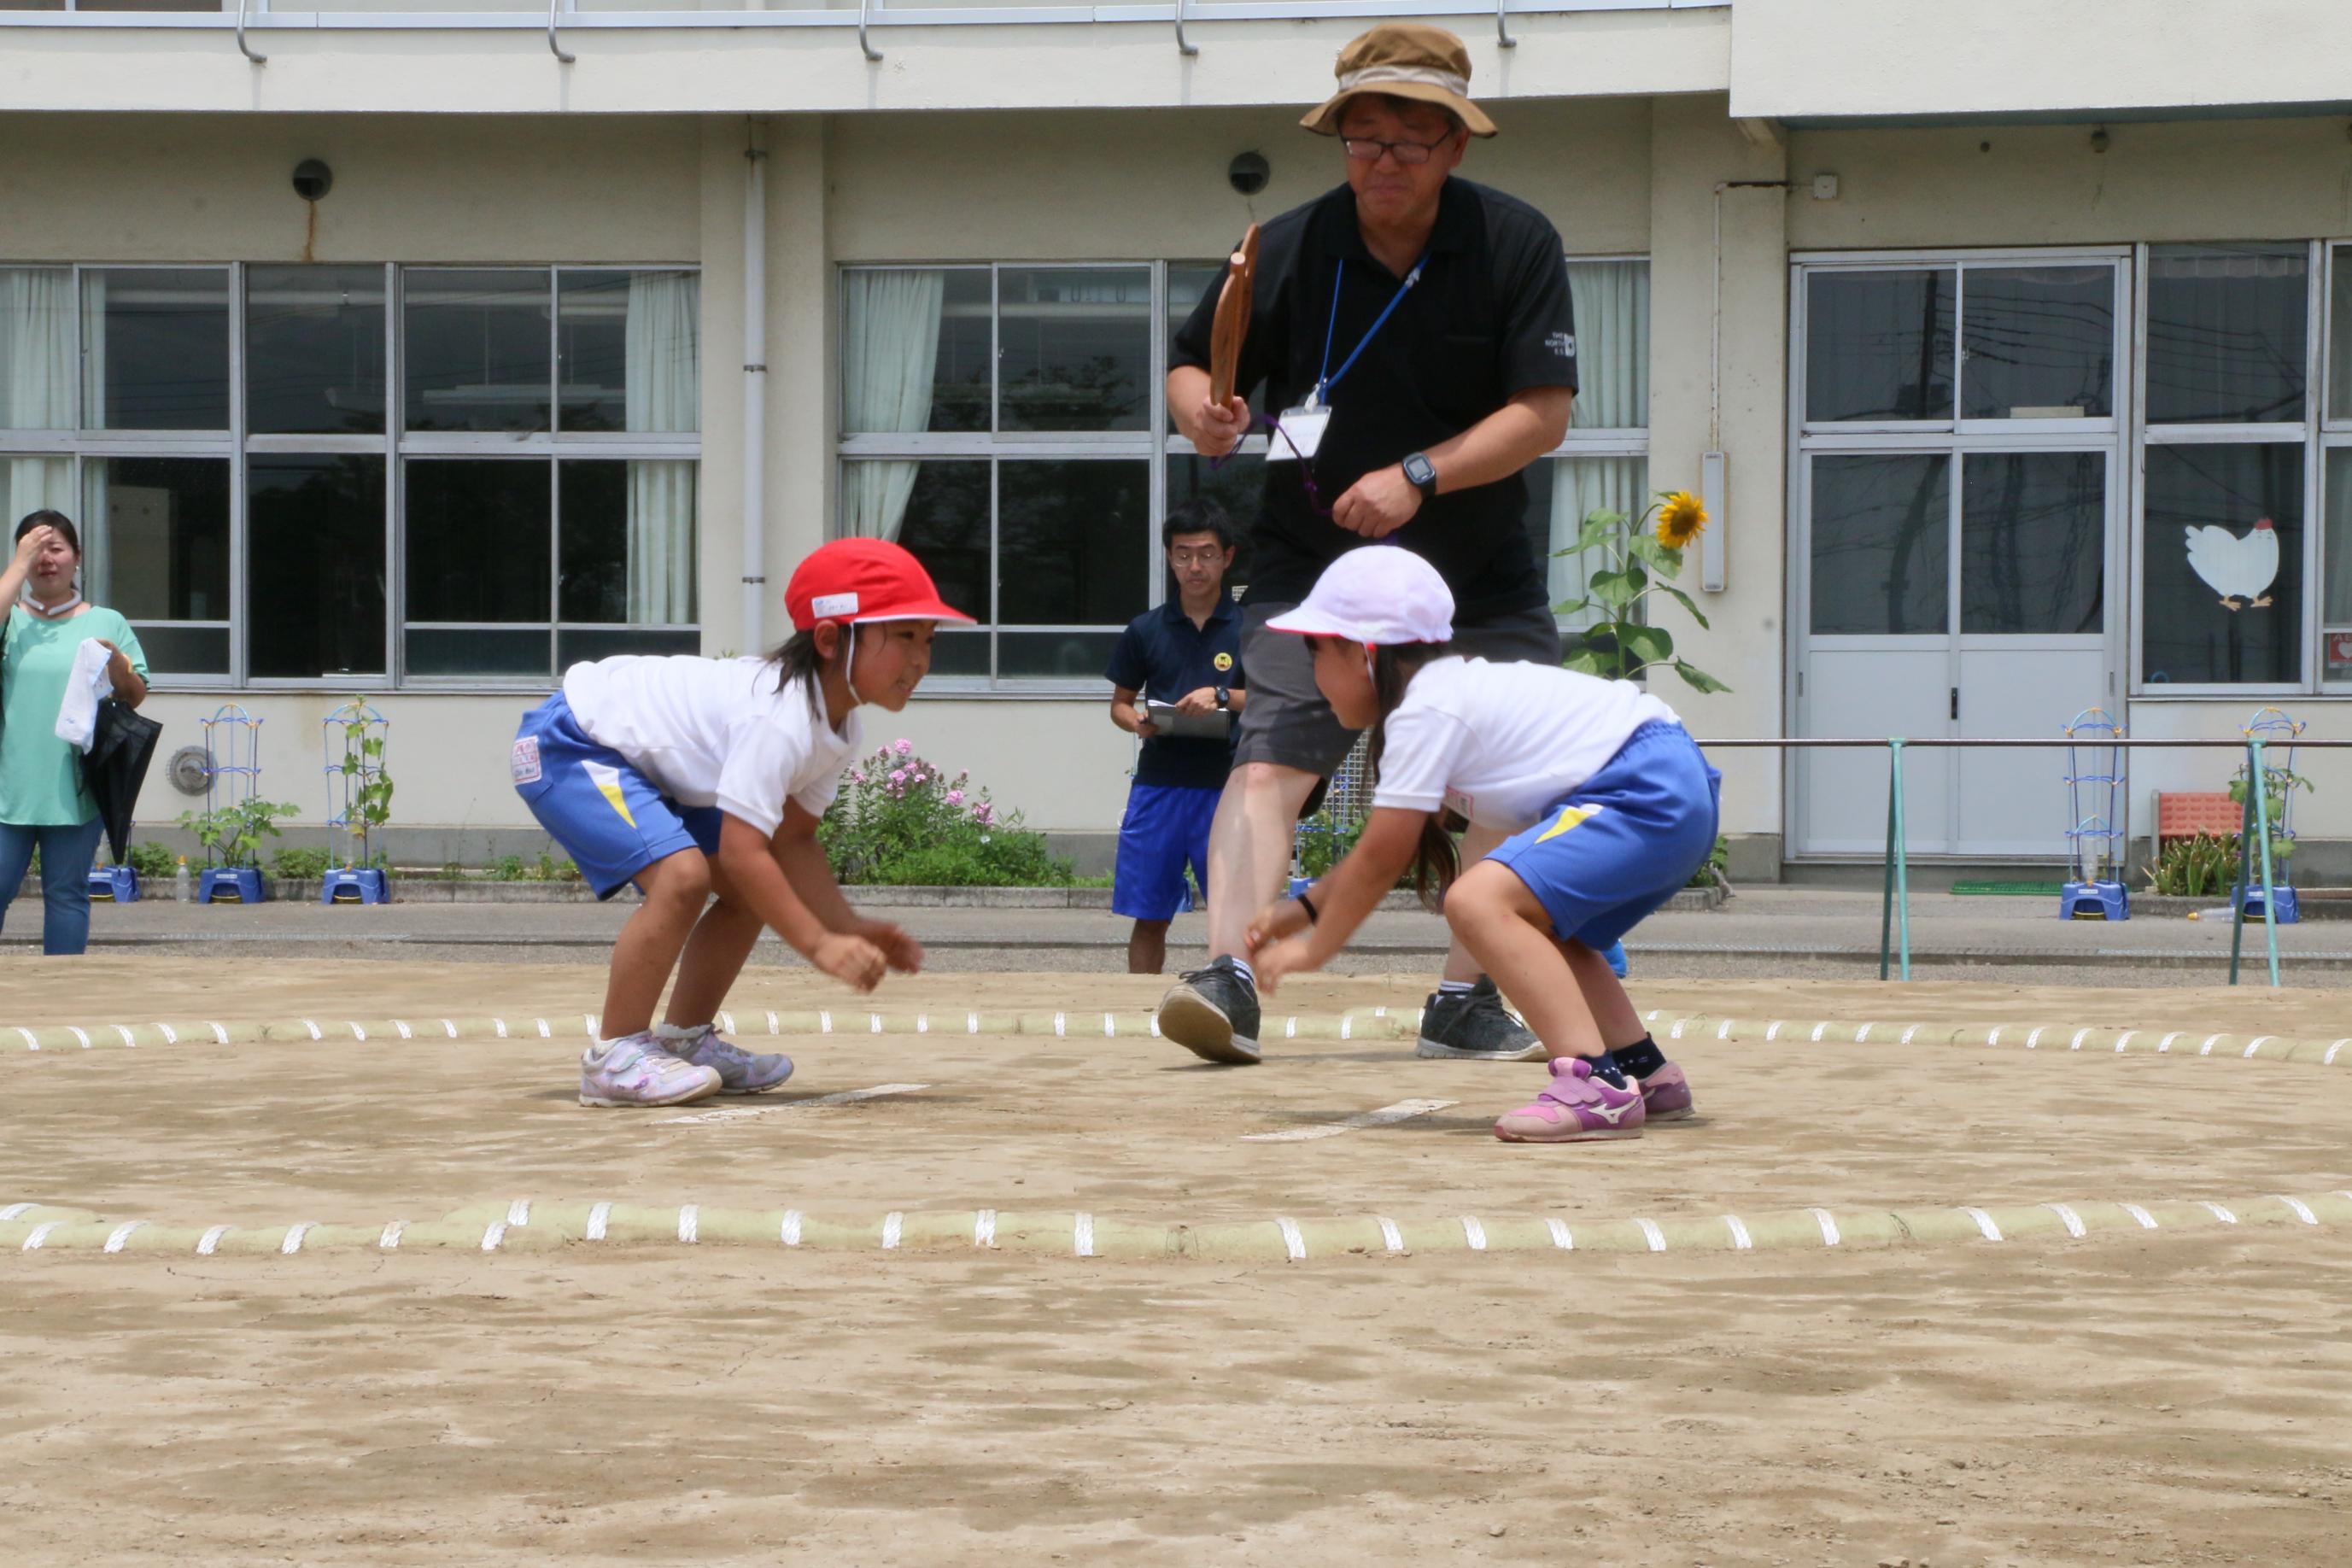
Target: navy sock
1641, 1059
1608, 1069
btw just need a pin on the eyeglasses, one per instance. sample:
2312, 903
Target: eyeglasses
1202, 555
1366, 150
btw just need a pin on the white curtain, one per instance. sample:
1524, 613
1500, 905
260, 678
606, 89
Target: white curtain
37, 355
663, 374
890, 357
1581, 486
2335, 549
1612, 344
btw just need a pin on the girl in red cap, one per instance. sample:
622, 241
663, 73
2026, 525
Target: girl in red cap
693, 777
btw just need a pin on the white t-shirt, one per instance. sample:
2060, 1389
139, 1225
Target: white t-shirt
1498, 742
714, 731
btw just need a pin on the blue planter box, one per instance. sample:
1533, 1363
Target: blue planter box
354, 885
231, 884
113, 884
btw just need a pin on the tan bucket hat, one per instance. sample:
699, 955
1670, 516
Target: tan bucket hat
1403, 59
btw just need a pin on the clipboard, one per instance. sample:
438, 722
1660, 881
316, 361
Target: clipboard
1211, 726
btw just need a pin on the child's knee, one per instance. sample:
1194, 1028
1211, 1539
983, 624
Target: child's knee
683, 879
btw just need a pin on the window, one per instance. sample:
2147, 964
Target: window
271, 494
998, 421
2227, 467
1605, 463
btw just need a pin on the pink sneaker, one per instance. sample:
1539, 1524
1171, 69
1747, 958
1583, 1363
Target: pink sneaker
1666, 1095
1574, 1107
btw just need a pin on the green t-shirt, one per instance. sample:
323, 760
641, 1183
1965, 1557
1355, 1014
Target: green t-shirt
40, 775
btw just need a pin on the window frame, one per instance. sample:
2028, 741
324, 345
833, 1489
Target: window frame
237, 444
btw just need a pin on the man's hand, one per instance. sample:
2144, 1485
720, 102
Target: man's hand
1280, 918
1201, 699
852, 959
1214, 430
1143, 724
1378, 504
1294, 956
902, 952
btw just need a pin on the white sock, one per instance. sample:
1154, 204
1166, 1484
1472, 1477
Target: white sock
1456, 987
677, 1031
604, 1047
1241, 967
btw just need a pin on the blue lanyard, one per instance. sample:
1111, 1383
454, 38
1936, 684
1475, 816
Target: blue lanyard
1330, 378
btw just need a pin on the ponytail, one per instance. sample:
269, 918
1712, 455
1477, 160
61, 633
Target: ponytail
798, 659
1435, 861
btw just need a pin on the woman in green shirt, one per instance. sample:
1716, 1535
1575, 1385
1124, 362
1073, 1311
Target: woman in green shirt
43, 801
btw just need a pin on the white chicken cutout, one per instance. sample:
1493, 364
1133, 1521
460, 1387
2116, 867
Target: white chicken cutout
2238, 567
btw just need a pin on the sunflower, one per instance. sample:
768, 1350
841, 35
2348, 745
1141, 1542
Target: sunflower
1680, 518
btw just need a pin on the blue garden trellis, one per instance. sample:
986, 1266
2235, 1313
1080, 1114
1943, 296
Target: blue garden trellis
2098, 825
352, 742
2274, 728
232, 777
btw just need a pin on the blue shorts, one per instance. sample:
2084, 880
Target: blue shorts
1624, 841
1165, 825
593, 801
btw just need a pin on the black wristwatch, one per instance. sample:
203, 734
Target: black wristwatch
1224, 697
1422, 473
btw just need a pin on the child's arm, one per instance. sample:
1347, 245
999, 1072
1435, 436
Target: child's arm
1283, 942
802, 858
758, 881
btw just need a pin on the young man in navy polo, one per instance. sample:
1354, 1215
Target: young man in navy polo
1186, 653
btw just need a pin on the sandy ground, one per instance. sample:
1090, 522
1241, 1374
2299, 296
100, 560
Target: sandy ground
2119, 1399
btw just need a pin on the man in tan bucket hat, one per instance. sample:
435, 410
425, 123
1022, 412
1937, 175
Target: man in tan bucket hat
1412, 341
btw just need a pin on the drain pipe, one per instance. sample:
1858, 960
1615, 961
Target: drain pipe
755, 392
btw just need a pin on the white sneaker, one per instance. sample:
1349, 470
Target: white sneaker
740, 1071
633, 1071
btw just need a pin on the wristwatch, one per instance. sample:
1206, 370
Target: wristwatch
1422, 473
1224, 697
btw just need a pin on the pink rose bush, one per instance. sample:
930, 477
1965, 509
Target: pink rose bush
902, 820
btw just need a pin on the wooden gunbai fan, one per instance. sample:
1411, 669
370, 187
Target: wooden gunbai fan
1233, 317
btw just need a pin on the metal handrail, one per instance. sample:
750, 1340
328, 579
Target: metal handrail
242, 46
1187, 50
553, 47
1502, 32
863, 48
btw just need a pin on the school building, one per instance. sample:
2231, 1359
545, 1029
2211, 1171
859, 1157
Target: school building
417, 348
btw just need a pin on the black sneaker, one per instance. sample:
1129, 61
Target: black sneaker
1212, 1013
1472, 1025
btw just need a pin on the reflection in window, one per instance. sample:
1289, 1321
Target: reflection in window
315, 566
1075, 348
2033, 537
2040, 342
156, 532
2336, 559
314, 350
627, 543
2221, 584
477, 347
1073, 542
628, 352
154, 348
1878, 345
2226, 327
1881, 545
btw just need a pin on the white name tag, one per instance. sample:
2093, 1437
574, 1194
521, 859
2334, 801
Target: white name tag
1297, 434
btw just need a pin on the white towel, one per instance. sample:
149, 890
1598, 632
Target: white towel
78, 715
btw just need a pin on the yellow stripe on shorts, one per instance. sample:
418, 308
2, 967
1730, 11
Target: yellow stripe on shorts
607, 780
1569, 816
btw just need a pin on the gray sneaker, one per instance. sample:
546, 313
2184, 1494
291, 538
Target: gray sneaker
740, 1071
1473, 1025
634, 1071
1212, 1013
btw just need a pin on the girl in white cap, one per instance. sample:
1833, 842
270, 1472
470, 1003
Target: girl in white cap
693, 776
1612, 806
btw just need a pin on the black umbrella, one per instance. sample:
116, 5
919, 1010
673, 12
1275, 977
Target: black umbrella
121, 745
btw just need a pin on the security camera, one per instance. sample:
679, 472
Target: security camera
312, 179
1248, 173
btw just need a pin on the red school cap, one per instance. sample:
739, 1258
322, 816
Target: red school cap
855, 580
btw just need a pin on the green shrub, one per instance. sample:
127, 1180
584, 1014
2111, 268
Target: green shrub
2202, 867
1715, 867
507, 868
298, 865
151, 860
234, 832
900, 821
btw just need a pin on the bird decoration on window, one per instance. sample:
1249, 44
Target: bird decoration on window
2238, 567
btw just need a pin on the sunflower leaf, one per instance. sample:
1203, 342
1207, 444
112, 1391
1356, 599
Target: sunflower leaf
1600, 528
1614, 589
1584, 661
1651, 645
1685, 601
1697, 676
1663, 559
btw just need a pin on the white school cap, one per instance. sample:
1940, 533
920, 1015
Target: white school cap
1379, 594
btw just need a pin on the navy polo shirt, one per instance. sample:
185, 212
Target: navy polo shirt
1490, 318
1163, 656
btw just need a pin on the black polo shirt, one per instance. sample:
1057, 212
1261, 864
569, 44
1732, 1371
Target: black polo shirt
1490, 318
1162, 655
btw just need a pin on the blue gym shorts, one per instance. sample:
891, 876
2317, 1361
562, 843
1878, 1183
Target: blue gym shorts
610, 817
1624, 841
1165, 825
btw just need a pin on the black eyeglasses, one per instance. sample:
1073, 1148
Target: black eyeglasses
1366, 150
